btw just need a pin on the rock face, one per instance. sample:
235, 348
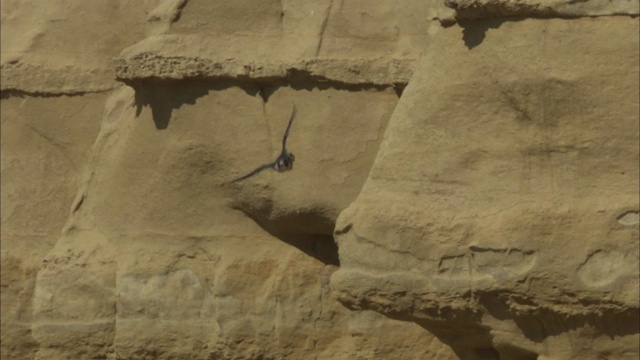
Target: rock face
498, 199
465, 184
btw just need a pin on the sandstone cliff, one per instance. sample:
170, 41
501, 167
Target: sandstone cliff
465, 184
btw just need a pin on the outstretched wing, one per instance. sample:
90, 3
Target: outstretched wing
286, 133
266, 166
263, 167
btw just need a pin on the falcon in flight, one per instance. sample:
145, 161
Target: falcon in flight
284, 161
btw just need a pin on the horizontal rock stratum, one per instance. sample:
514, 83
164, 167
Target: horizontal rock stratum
465, 183
164, 59
487, 9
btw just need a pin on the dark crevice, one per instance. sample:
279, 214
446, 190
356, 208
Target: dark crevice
77, 206
305, 80
399, 89
178, 12
265, 86
320, 246
9, 93
503, 10
290, 229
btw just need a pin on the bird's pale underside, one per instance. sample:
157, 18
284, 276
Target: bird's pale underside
283, 162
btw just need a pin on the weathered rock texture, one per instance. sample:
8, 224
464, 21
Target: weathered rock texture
466, 183
498, 199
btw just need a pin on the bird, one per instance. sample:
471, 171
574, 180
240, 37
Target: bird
284, 161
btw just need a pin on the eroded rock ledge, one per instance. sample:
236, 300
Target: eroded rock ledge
40, 80
376, 72
174, 57
488, 9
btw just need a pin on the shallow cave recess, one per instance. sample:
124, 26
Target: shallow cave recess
309, 230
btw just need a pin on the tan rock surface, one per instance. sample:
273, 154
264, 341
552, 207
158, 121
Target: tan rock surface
500, 217
504, 197
45, 143
66, 47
